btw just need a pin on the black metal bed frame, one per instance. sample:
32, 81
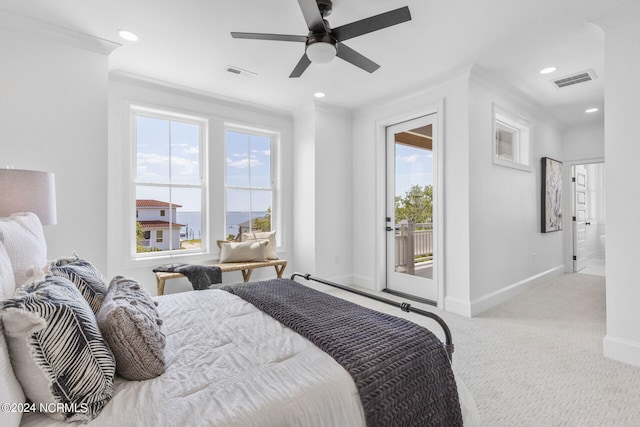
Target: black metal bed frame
404, 306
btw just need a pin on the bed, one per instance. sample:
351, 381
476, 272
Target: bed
226, 363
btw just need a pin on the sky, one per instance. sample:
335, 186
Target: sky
247, 163
414, 166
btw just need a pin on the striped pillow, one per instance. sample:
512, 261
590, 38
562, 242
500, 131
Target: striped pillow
89, 281
56, 349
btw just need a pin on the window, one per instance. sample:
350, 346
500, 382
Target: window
169, 182
512, 140
249, 183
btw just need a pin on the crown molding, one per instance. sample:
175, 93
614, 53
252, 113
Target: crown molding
25, 24
483, 77
125, 77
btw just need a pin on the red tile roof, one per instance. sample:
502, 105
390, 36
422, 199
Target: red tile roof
150, 203
159, 224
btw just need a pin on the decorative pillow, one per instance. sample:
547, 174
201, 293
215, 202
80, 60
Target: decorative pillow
23, 239
7, 279
10, 389
56, 349
89, 281
265, 236
130, 323
242, 251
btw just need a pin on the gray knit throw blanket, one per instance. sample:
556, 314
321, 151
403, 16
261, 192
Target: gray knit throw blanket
201, 276
401, 369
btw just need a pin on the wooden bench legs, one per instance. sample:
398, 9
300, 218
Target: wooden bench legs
246, 273
246, 268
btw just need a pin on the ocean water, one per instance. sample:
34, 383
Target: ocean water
194, 228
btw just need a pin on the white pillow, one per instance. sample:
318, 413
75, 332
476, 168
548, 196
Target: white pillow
23, 239
264, 236
243, 251
10, 389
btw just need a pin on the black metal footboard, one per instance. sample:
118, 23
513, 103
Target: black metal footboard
404, 306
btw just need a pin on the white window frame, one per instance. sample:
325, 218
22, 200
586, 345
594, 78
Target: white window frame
171, 115
522, 147
275, 199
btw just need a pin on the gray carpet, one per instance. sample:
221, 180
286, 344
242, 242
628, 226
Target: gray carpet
537, 360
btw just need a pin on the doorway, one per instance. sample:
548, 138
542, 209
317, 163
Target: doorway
589, 219
412, 226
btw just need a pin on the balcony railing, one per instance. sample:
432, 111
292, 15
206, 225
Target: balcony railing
413, 246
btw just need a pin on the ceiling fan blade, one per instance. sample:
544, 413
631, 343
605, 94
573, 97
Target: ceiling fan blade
300, 67
371, 24
353, 57
312, 16
261, 36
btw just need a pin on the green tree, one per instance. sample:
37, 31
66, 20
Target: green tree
264, 223
140, 239
415, 205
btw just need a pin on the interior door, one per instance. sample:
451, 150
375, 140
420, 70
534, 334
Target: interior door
411, 195
580, 223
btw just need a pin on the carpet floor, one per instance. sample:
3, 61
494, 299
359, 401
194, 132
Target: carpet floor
537, 360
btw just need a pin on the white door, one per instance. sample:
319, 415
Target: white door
579, 181
411, 195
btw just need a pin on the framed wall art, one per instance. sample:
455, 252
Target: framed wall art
551, 195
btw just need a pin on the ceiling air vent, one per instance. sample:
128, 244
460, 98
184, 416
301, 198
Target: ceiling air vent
574, 79
239, 71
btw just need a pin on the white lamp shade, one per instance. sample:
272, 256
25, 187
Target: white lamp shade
28, 191
321, 52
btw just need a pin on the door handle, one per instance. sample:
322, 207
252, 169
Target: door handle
389, 228
587, 223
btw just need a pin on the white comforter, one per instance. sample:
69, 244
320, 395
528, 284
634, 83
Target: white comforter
229, 364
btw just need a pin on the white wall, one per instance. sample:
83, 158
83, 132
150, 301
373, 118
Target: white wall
509, 254
53, 117
323, 192
334, 189
585, 142
304, 184
622, 151
126, 89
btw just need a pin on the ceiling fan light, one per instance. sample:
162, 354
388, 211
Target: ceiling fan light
321, 52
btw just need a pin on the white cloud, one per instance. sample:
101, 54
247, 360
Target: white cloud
190, 150
243, 163
152, 159
411, 158
184, 166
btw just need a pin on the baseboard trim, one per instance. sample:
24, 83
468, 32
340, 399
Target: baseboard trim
364, 282
457, 306
498, 297
621, 350
345, 279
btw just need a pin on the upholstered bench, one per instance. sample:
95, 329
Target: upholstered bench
246, 268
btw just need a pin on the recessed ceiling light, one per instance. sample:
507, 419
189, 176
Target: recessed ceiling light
591, 110
319, 94
547, 70
128, 35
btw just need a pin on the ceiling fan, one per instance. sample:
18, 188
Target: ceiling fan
323, 43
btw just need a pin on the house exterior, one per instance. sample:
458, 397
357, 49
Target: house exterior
156, 221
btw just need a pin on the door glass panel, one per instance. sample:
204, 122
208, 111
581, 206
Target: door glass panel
414, 202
